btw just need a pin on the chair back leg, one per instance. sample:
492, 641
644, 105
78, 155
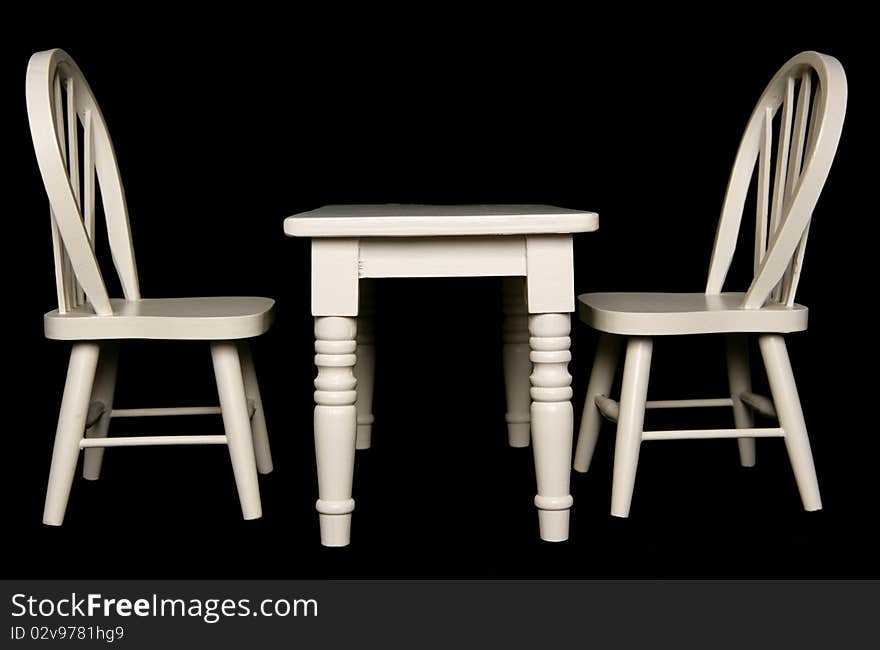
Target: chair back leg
258, 421
71, 428
103, 391
601, 379
740, 381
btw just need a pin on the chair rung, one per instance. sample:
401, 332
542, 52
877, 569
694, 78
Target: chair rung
143, 441
759, 403
688, 403
610, 408
170, 411
96, 411
156, 412
690, 434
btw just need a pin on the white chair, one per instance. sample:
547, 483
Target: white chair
809, 131
60, 104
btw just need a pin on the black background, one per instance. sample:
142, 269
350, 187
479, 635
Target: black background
224, 124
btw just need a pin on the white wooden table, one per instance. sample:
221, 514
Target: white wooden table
529, 245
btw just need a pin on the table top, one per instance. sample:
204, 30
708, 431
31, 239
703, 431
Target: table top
402, 220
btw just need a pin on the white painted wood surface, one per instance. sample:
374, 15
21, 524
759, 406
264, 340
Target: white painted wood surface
517, 365
365, 367
808, 99
103, 393
401, 220
759, 404
254, 405
792, 212
335, 274
633, 394
662, 314
95, 444
688, 403
552, 421
442, 257
59, 101
529, 246
550, 274
166, 411
239, 437
791, 418
709, 434
739, 379
610, 408
177, 319
601, 378
335, 425
71, 428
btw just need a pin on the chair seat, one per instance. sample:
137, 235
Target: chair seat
203, 319
657, 314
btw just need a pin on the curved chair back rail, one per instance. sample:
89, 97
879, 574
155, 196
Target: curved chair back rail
809, 130
60, 104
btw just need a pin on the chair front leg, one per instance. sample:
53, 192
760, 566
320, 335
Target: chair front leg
234, 408
262, 452
71, 428
601, 378
630, 422
740, 381
103, 392
791, 418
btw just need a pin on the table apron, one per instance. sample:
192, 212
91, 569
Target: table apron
544, 260
426, 257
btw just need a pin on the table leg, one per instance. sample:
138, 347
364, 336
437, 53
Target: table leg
335, 425
365, 369
550, 295
552, 421
516, 361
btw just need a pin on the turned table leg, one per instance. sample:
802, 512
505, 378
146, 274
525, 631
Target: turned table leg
365, 368
517, 365
335, 425
550, 297
552, 421
335, 308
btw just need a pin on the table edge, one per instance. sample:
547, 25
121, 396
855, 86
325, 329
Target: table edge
413, 226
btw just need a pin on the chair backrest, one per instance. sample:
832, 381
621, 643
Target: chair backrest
60, 104
808, 132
